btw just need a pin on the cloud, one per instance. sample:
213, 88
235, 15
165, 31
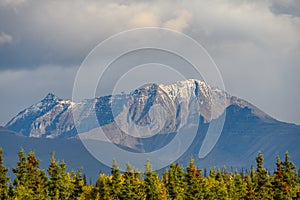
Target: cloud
5, 38
287, 7
12, 2
144, 19
256, 44
62, 33
180, 22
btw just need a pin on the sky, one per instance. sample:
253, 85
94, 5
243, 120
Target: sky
255, 44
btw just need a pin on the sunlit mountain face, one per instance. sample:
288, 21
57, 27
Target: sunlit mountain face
149, 118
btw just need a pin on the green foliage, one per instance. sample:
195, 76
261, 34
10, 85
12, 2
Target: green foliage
194, 182
153, 187
3, 179
59, 185
103, 186
176, 184
116, 181
262, 179
77, 184
279, 186
31, 182
132, 184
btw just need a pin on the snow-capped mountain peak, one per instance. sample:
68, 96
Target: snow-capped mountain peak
53, 117
36, 120
50, 97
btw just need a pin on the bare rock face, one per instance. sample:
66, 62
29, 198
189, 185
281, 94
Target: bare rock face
47, 118
147, 119
126, 117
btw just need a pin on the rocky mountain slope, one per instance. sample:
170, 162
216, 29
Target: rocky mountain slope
52, 117
148, 118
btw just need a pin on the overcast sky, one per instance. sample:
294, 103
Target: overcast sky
255, 44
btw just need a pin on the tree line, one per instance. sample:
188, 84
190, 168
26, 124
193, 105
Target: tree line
176, 182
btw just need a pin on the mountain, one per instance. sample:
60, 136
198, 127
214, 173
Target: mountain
48, 118
150, 117
52, 117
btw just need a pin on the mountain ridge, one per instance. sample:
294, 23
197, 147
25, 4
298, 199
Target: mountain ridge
43, 118
246, 129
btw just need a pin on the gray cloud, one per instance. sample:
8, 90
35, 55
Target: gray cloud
57, 32
22, 88
12, 3
288, 7
5, 38
256, 44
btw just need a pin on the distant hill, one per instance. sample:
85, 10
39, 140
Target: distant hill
70, 150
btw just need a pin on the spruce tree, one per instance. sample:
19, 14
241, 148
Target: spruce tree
77, 184
59, 185
103, 187
289, 175
116, 180
194, 181
152, 184
131, 187
22, 186
30, 180
3, 179
176, 185
36, 177
21, 170
249, 181
239, 189
262, 181
278, 184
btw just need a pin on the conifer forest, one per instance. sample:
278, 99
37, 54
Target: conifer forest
176, 182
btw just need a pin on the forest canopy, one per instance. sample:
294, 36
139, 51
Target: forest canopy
176, 182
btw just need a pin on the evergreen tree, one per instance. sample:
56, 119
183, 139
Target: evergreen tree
77, 184
21, 170
36, 177
215, 187
176, 182
3, 179
289, 175
248, 180
103, 187
89, 192
32, 183
30, 180
262, 181
236, 186
194, 182
132, 185
116, 180
152, 184
59, 185
278, 184
11, 191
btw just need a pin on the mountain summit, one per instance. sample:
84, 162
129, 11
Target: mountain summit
42, 119
51, 97
52, 117
164, 109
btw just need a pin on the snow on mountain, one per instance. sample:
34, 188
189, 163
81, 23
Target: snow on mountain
43, 119
156, 107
